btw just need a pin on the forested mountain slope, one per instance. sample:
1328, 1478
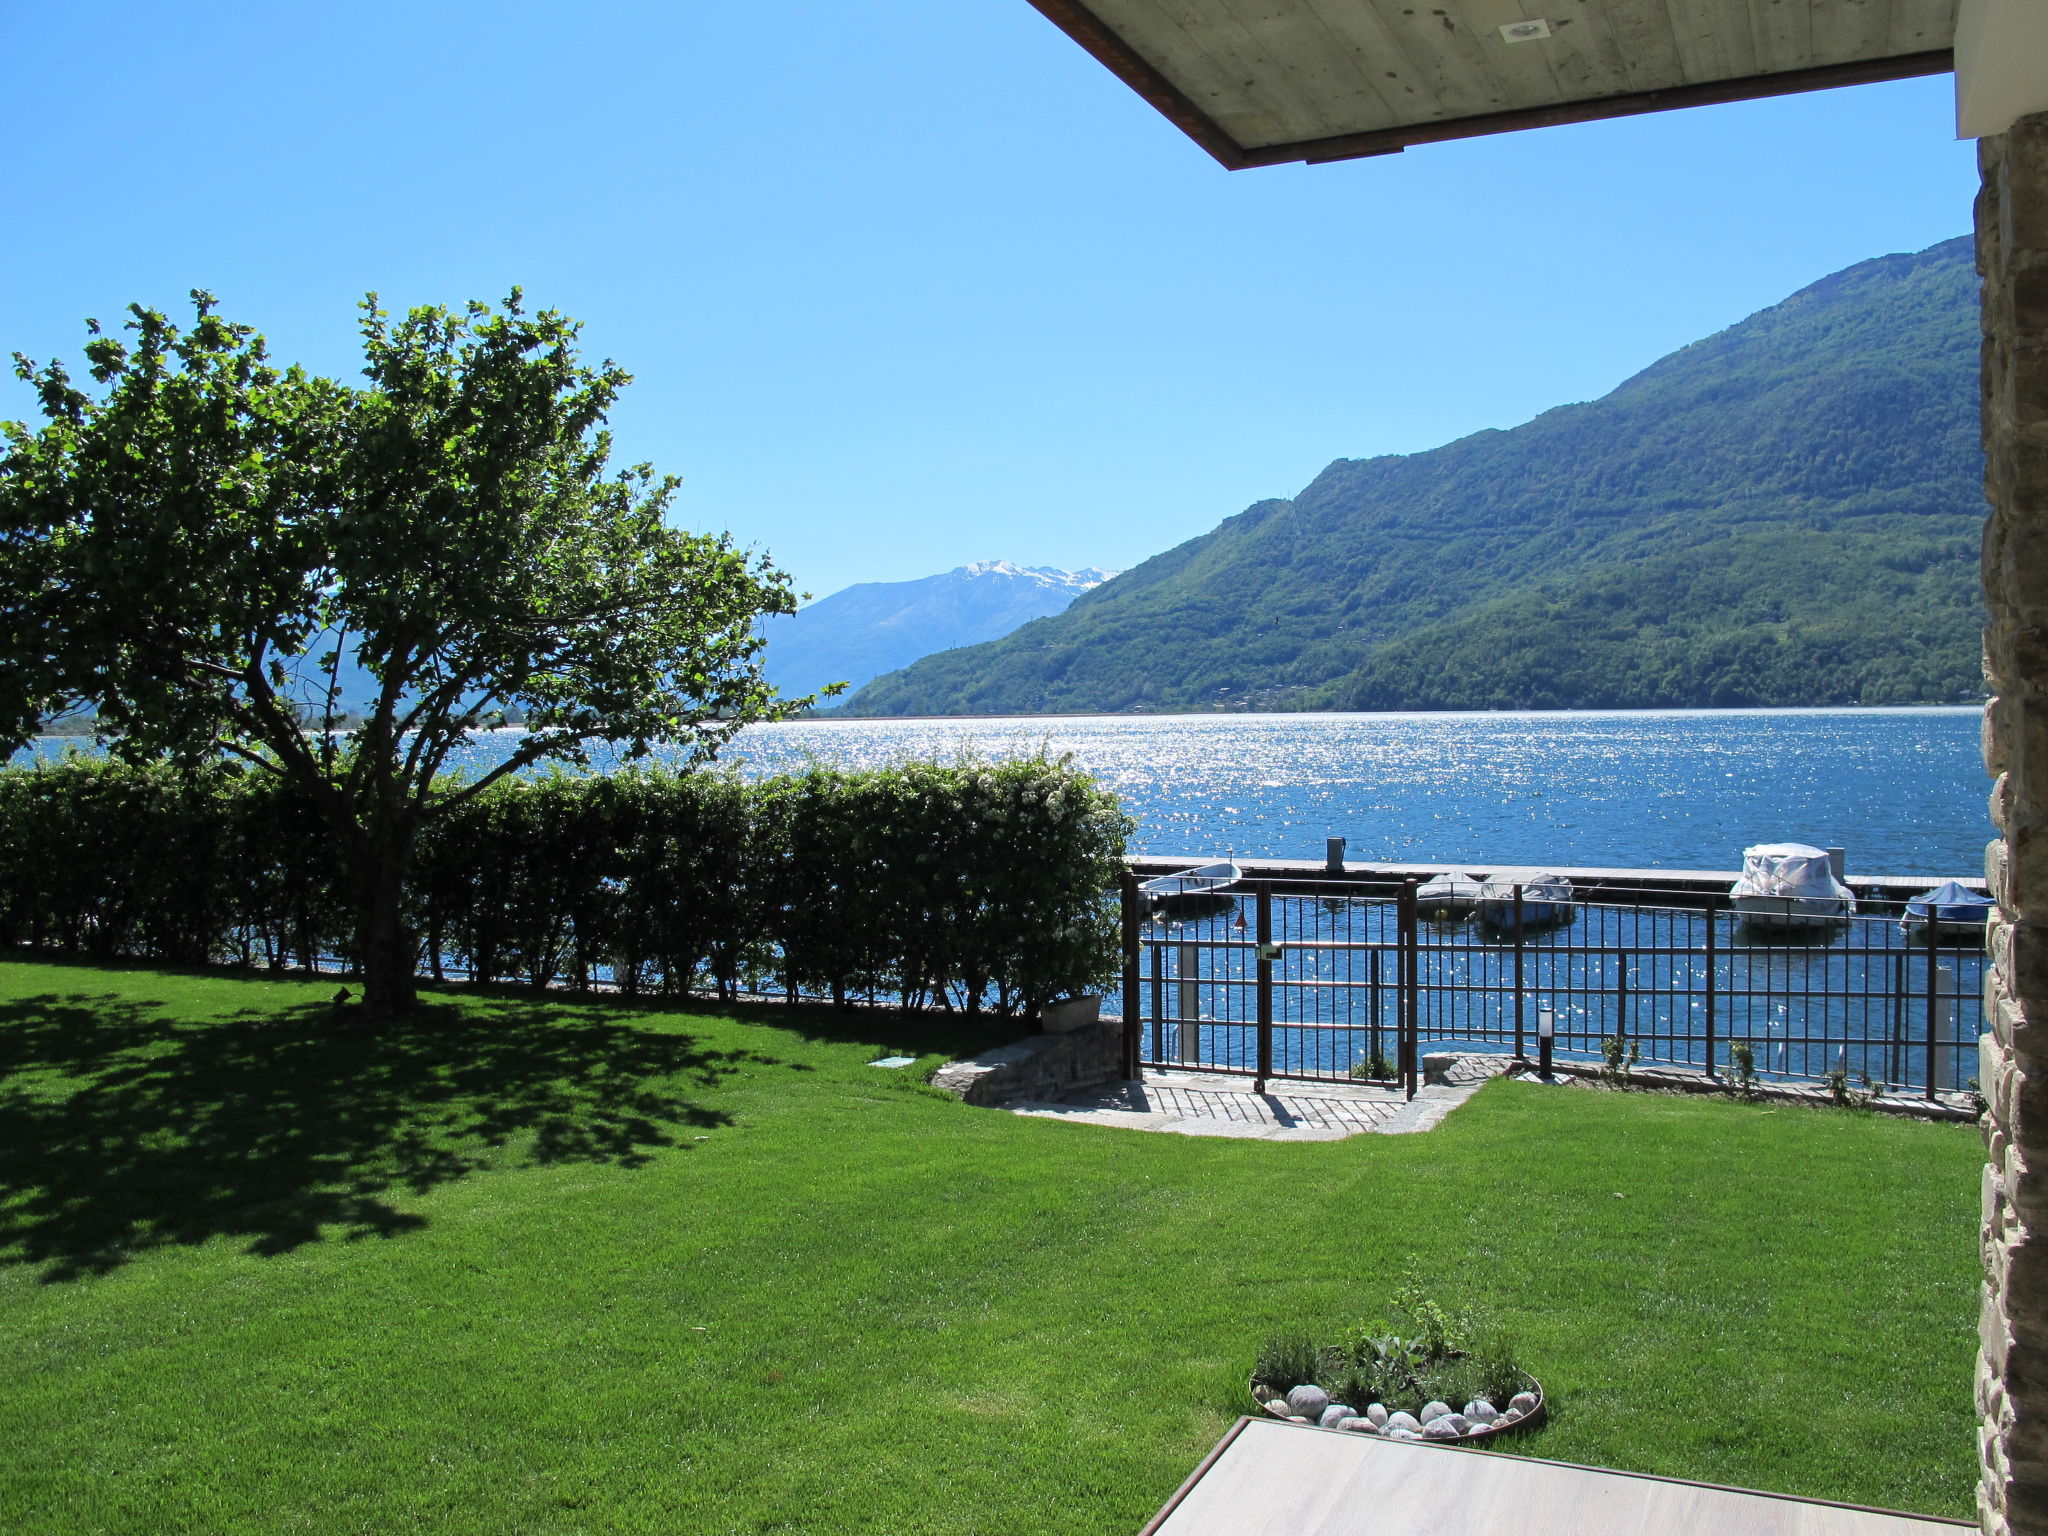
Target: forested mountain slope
1784, 513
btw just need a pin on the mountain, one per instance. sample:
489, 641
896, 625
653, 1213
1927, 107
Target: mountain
878, 626
1786, 513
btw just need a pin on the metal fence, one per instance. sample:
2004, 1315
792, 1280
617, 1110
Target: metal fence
1304, 979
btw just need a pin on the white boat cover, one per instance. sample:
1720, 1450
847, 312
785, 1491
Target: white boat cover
1452, 885
1536, 884
1791, 870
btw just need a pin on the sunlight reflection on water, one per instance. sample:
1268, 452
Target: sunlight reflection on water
1902, 789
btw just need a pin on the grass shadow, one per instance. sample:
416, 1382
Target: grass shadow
128, 1128
932, 1032
924, 1032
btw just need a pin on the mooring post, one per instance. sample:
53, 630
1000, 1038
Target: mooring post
1333, 856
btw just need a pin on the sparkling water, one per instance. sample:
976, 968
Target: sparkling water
1903, 790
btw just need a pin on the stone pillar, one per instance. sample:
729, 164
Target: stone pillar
2012, 1370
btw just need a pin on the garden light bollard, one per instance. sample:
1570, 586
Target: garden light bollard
1546, 1029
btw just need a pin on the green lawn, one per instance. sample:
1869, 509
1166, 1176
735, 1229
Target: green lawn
538, 1266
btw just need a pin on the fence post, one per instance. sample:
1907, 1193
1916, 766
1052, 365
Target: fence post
1518, 968
1621, 992
1158, 948
1133, 1005
1933, 1001
1265, 975
1379, 1003
1713, 977
1410, 973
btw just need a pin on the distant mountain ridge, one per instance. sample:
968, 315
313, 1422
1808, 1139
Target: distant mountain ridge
878, 626
1785, 513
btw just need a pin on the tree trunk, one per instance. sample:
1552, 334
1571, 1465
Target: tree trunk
390, 954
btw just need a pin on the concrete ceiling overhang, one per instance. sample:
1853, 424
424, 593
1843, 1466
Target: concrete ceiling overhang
1263, 82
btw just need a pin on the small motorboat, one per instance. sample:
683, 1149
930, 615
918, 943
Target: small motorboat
1546, 899
1447, 897
1789, 886
1949, 911
1197, 889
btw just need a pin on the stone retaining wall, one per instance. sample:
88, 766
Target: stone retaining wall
1041, 1067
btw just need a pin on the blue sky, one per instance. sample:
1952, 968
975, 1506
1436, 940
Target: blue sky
910, 284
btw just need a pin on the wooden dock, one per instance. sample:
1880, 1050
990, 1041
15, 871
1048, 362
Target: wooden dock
1675, 887
1271, 1479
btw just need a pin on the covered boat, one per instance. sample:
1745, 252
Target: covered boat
1199, 888
1949, 911
1546, 899
1448, 895
1789, 886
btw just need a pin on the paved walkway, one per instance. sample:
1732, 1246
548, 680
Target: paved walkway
1213, 1104
1273, 1479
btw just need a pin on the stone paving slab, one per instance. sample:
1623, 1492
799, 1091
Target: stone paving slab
1218, 1104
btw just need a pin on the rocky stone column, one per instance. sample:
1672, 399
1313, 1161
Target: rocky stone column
2012, 1370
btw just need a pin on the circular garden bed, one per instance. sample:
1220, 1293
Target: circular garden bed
1478, 1419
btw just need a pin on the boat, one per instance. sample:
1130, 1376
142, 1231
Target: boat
1199, 888
1949, 911
1789, 886
1546, 899
1448, 896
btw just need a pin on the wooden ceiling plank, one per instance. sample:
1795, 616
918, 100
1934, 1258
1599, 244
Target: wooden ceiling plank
1532, 72
1116, 52
1584, 58
1713, 38
1463, 83
1206, 70
1642, 34
1273, 105
1849, 29
1918, 24
1781, 33
1261, 82
1347, 42
1691, 94
1402, 82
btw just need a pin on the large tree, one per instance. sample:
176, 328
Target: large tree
339, 583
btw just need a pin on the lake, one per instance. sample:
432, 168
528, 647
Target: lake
1903, 790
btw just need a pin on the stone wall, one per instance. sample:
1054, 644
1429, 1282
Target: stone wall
1041, 1067
2012, 1371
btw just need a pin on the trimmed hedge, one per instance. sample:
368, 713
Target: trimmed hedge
970, 885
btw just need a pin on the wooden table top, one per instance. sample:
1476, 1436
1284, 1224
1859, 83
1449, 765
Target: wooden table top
1272, 1479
